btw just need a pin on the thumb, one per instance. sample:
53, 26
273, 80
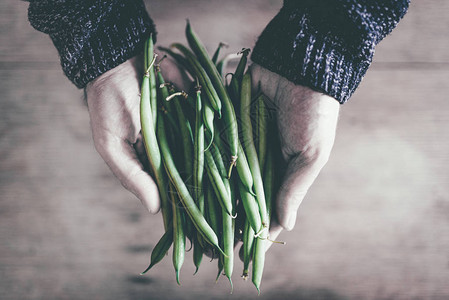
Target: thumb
300, 174
122, 159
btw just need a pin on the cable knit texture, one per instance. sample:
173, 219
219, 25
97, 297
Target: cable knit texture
92, 37
327, 45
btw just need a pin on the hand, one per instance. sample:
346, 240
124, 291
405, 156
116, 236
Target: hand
114, 107
307, 122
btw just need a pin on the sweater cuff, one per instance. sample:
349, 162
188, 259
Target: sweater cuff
303, 50
93, 38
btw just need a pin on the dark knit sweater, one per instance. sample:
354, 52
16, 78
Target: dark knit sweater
326, 45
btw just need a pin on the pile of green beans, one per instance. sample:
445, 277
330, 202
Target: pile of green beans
193, 141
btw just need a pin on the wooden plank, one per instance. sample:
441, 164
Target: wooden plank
373, 225
420, 37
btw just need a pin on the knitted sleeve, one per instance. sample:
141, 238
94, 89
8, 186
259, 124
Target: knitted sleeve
92, 36
326, 45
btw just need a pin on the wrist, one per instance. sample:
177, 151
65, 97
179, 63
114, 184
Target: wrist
130, 68
297, 45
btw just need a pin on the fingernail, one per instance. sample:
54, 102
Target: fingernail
291, 221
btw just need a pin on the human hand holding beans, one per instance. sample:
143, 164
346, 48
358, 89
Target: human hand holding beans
307, 122
113, 100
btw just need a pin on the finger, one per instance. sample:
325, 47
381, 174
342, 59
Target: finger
122, 159
301, 173
139, 146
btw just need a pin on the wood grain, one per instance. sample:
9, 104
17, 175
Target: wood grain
374, 225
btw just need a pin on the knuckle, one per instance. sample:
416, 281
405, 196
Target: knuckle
103, 145
318, 155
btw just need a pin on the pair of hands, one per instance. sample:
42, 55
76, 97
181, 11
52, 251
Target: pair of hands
307, 122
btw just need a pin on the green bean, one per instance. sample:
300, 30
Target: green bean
197, 253
188, 107
149, 69
152, 147
248, 242
244, 171
261, 131
217, 155
228, 110
221, 66
223, 63
184, 108
189, 229
213, 210
218, 184
239, 211
166, 105
194, 213
228, 246
202, 208
269, 180
179, 240
161, 248
214, 215
200, 73
219, 150
242, 166
259, 259
198, 153
198, 170
249, 148
234, 91
215, 151
146, 63
217, 52
237, 77
186, 137
251, 208
208, 118
228, 236
220, 267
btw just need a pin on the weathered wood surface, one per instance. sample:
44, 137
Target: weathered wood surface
374, 226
